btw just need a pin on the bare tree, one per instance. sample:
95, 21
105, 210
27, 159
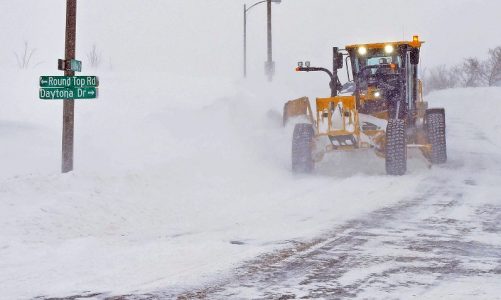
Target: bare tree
94, 57
471, 73
493, 67
24, 58
439, 78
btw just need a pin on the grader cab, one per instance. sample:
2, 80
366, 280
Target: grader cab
381, 107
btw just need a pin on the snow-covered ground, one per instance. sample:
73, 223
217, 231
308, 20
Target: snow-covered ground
177, 181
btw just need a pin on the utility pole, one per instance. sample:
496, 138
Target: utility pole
245, 40
270, 67
69, 104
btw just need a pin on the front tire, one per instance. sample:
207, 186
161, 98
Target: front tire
302, 148
435, 130
396, 147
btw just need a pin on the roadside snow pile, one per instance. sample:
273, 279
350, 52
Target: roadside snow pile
475, 110
177, 181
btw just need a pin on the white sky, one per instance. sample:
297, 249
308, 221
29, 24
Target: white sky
205, 36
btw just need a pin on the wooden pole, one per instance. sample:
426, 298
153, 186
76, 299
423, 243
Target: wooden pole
69, 104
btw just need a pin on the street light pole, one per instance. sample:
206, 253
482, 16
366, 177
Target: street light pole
245, 40
269, 65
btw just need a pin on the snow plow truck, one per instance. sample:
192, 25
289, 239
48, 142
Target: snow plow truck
381, 107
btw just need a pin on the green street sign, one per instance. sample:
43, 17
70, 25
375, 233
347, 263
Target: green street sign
76, 65
68, 93
68, 81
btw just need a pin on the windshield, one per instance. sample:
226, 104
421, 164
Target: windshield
376, 58
375, 66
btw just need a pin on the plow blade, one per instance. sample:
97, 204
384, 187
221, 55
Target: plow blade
297, 107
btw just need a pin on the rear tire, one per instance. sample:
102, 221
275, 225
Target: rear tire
302, 148
396, 147
435, 130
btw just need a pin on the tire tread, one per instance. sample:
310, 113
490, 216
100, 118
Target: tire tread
396, 147
302, 146
435, 130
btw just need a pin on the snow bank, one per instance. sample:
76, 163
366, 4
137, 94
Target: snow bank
472, 109
177, 180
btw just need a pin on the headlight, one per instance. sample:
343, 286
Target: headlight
362, 50
389, 49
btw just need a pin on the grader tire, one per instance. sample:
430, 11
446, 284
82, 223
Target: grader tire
396, 147
302, 148
435, 130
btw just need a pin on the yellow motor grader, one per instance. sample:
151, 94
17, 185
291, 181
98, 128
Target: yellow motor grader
381, 107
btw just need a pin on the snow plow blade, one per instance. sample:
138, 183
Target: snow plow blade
297, 107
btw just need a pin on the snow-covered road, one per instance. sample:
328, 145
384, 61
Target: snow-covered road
442, 243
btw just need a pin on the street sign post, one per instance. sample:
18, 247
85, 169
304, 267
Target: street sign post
69, 87
68, 93
68, 81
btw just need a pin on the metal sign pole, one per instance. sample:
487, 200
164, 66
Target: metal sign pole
69, 104
269, 40
245, 40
